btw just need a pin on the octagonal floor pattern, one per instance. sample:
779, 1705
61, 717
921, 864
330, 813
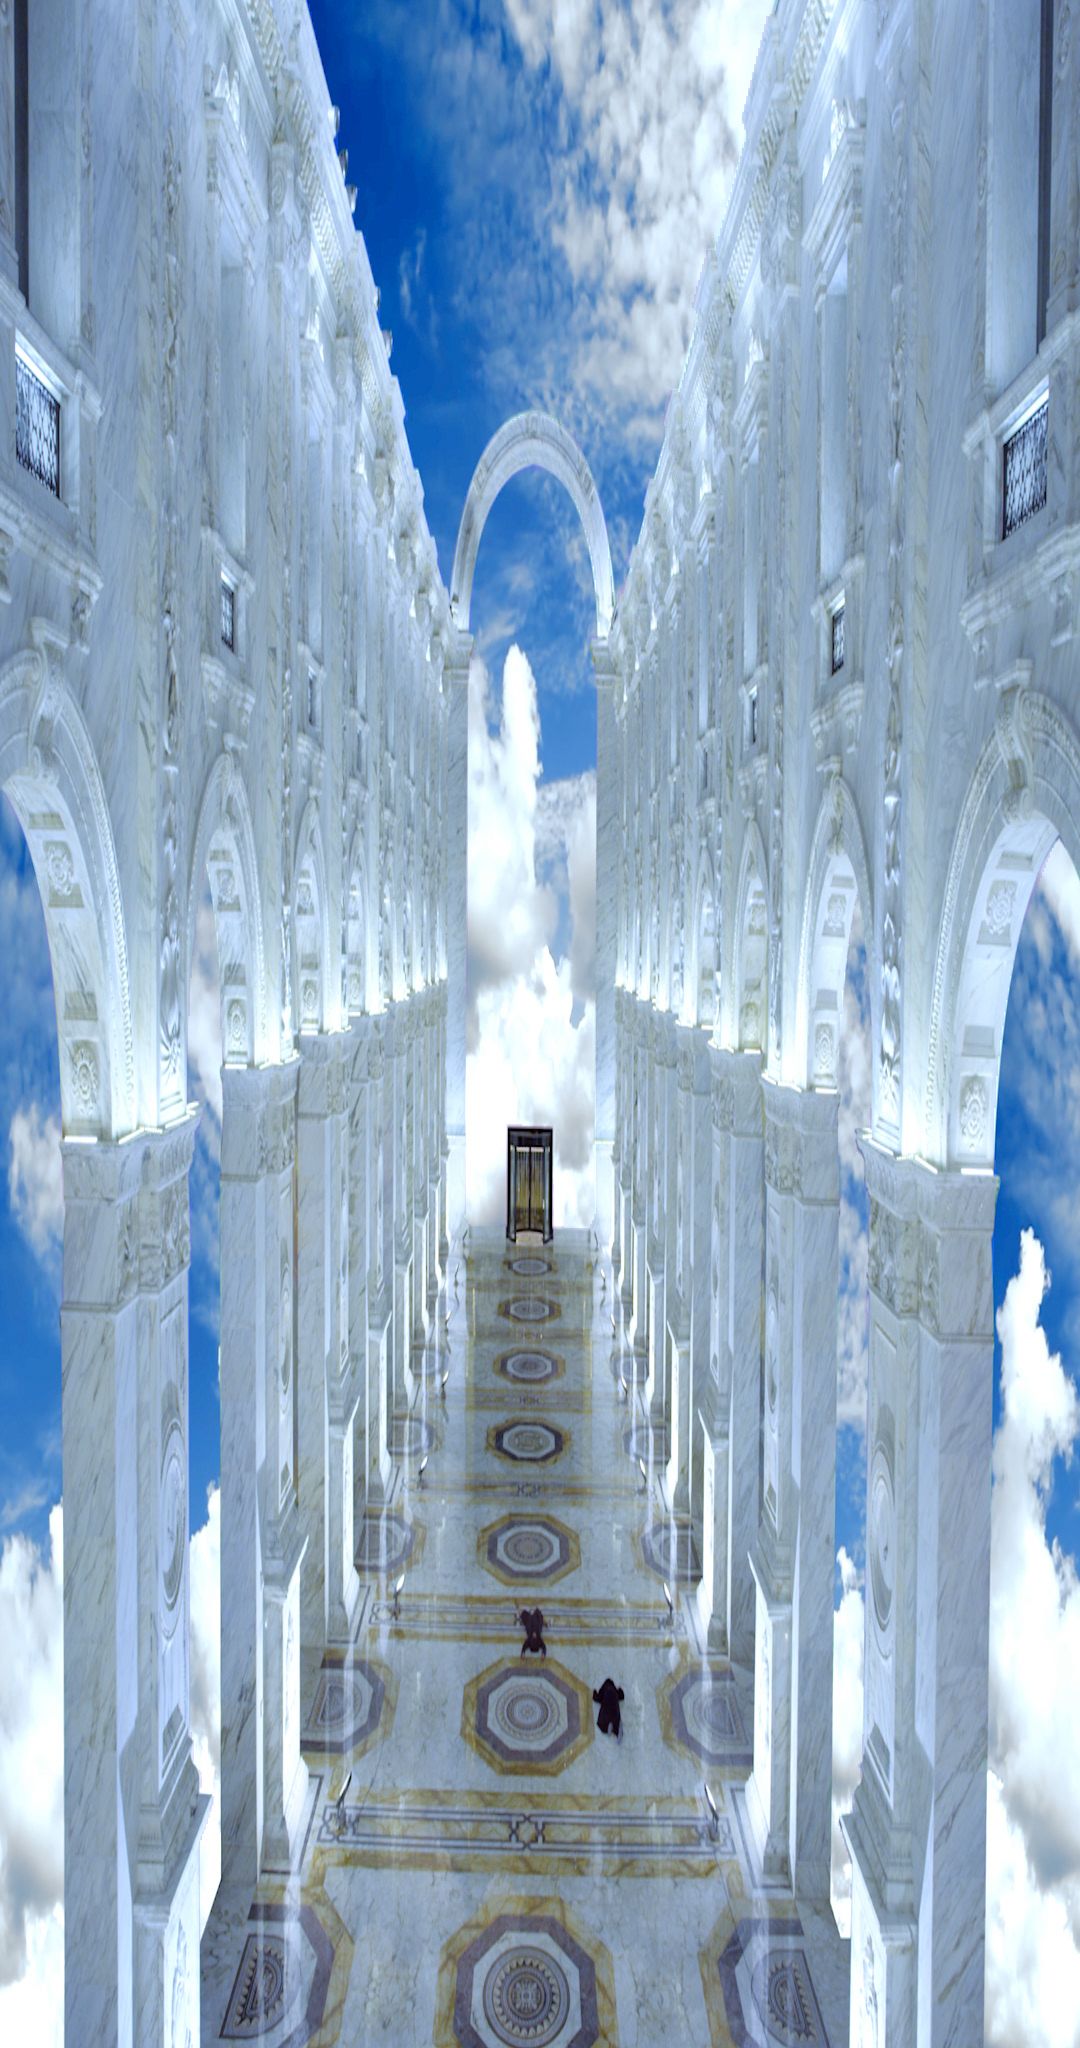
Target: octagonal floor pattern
499, 1874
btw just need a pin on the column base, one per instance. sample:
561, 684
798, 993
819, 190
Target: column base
768, 1788
168, 1930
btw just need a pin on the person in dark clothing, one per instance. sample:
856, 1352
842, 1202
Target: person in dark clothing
532, 1621
607, 1699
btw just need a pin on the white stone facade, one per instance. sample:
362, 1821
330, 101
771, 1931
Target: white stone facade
225, 649
844, 672
221, 655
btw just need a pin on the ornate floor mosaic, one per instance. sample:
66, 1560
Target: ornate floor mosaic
574, 1833
291, 1977
528, 1443
528, 1550
526, 1977
529, 1265
701, 1716
384, 1543
530, 1308
410, 1436
529, 1368
641, 1442
353, 1707
525, 1718
670, 1550
767, 1994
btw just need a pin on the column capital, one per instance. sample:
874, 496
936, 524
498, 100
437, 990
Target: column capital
324, 1056
929, 1249
258, 1116
801, 1156
737, 1091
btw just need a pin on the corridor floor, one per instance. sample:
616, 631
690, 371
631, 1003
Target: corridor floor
500, 1872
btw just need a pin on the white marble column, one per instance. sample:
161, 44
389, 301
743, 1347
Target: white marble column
359, 1182
456, 675
379, 1289
689, 1322
738, 1114
263, 1780
607, 856
917, 1831
661, 1091
327, 1397
790, 1794
133, 1814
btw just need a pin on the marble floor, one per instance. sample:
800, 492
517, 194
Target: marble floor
500, 1872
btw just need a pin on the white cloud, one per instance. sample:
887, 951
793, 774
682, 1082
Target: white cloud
32, 1764
847, 1726
650, 110
35, 1179
531, 1032
1059, 886
31, 1779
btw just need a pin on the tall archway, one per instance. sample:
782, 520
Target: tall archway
532, 440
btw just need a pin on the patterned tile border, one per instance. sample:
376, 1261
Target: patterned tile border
572, 1833
594, 1624
527, 1719
528, 1550
506, 1977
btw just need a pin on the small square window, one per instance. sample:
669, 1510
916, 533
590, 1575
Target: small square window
837, 622
1024, 471
37, 426
228, 615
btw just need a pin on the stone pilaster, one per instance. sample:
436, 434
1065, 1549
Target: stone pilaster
791, 1790
132, 1891
263, 1781
456, 680
327, 1395
917, 1831
607, 855
738, 1117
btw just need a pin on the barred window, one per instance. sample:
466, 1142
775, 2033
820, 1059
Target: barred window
838, 639
37, 426
228, 615
1024, 471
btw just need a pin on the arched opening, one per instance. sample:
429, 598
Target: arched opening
531, 983
31, 1511
751, 961
707, 952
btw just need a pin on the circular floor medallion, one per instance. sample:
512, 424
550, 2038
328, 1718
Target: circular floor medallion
384, 1543
527, 1443
526, 1998
532, 1308
524, 1550
529, 1368
700, 1713
523, 1718
670, 1550
530, 1268
410, 1436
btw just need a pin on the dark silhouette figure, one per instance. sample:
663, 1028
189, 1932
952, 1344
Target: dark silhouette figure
607, 1699
533, 1624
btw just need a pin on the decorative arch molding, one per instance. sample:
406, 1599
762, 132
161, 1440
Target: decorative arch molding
357, 929
224, 848
311, 925
1024, 794
750, 979
532, 440
838, 878
49, 769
